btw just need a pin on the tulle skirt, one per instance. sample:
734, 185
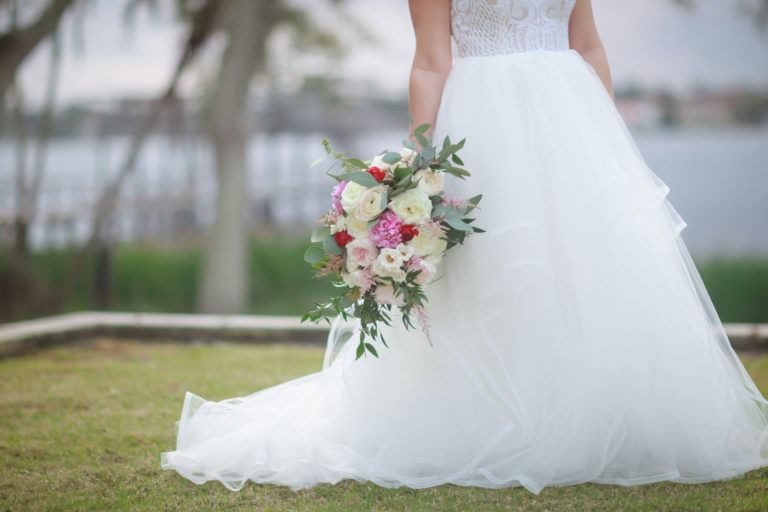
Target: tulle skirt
573, 341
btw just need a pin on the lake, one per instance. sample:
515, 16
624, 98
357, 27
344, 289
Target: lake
718, 181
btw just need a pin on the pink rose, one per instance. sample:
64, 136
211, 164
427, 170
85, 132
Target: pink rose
361, 252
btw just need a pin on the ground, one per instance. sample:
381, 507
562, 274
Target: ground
82, 428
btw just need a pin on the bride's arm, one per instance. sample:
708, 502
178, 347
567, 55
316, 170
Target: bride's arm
432, 60
585, 40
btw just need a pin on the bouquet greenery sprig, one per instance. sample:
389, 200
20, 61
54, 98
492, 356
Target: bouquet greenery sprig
389, 226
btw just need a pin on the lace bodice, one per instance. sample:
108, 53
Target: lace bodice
491, 27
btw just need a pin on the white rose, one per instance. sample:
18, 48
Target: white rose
408, 155
385, 294
351, 195
389, 259
358, 228
378, 162
361, 252
389, 264
428, 243
429, 181
370, 204
354, 278
406, 251
413, 206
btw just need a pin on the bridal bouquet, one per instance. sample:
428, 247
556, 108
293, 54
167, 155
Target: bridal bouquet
388, 228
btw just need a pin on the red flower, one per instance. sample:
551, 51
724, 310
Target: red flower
408, 231
342, 238
377, 173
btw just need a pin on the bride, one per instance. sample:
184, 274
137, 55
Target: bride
574, 341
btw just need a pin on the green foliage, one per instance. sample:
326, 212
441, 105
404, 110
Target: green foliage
738, 288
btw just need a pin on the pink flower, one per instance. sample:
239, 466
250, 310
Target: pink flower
361, 253
386, 232
336, 195
455, 202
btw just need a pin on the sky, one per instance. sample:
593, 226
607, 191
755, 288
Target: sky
649, 42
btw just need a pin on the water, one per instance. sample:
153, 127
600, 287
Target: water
718, 181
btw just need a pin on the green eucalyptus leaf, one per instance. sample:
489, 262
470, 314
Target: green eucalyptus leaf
330, 245
361, 178
320, 233
475, 200
356, 162
421, 139
314, 255
458, 224
391, 157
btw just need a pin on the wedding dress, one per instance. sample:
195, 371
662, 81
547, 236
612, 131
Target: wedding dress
573, 341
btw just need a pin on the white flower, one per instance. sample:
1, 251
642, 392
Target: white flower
378, 162
355, 278
385, 294
429, 181
370, 204
406, 251
351, 195
428, 243
390, 259
361, 252
413, 206
408, 155
356, 227
389, 264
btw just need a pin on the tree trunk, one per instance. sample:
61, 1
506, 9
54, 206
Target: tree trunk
16, 45
224, 287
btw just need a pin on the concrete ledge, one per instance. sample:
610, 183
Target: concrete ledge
22, 337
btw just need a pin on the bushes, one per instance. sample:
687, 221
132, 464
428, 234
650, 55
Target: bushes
165, 279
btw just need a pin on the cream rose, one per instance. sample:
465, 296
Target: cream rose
371, 203
428, 243
413, 206
351, 195
356, 227
385, 294
429, 181
361, 252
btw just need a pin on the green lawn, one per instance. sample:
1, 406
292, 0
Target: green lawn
82, 428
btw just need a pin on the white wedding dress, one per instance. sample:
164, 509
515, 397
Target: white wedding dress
573, 342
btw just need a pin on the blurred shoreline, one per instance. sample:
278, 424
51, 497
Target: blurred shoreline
718, 178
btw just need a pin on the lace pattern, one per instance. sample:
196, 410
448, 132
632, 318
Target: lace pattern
492, 27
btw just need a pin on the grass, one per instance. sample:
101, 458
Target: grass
165, 279
82, 428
